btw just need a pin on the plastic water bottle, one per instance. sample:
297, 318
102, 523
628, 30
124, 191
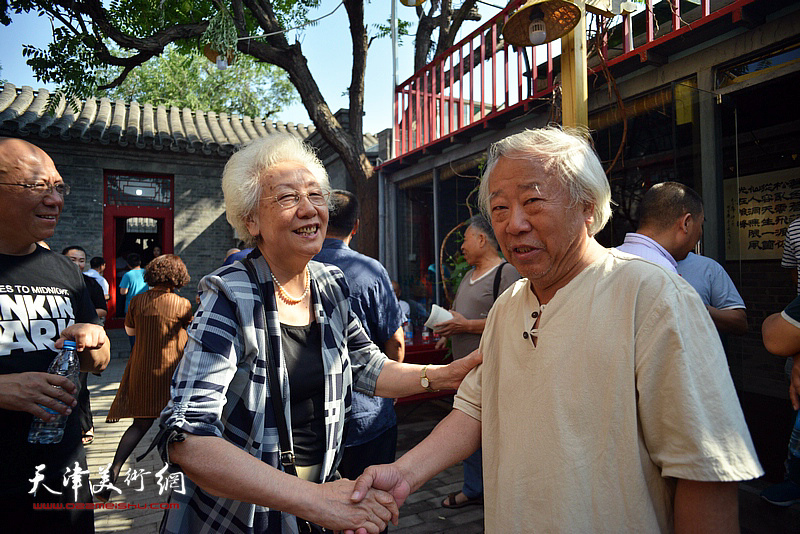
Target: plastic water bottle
65, 364
426, 335
408, 333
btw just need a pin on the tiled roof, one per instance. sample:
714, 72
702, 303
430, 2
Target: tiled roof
136, 125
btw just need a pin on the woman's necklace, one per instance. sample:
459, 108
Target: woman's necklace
286, 297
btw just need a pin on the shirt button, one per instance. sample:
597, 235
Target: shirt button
525, 335
535, 315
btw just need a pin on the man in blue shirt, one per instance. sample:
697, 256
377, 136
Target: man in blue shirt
717, 292
132, 282
372, 434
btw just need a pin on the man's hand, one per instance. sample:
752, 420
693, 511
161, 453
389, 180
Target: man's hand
794, 383
24, 392
457, 325
335, 509
85, 335
383, 477
91, 342
442, 343
450, 376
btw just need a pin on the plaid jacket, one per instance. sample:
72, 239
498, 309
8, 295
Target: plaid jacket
220, 386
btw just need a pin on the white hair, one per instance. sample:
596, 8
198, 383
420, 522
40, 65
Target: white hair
569, 153
242, 176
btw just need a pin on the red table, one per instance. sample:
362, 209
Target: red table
422, 353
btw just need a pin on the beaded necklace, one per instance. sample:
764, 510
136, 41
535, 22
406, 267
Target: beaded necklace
286, 297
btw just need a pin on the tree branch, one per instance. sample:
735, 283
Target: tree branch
358, 36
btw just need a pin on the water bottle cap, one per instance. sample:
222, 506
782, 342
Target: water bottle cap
69, 345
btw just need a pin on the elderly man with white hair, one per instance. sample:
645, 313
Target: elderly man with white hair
604, 402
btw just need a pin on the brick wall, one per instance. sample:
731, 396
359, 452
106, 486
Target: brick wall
202, 235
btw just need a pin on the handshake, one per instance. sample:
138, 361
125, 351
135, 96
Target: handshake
370, 503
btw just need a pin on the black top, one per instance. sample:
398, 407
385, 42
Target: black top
96, 293
302, 350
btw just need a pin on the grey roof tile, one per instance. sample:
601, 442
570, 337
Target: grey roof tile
63, 122
225, 124
238, 129
101, 122
136, 126
132, 128
80, 127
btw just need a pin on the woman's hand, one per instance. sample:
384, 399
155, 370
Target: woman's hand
334, 509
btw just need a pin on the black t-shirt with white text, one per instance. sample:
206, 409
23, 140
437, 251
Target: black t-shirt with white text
41, 294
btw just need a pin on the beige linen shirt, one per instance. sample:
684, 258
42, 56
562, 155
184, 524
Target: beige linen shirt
626, 389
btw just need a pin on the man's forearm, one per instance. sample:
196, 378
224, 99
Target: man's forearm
476, 326
732, 321
395, 347
706, 507
456, 437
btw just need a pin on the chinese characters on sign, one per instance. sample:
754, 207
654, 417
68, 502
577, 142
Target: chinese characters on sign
73, 479
758, 211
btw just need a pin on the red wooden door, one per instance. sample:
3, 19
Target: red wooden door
137, 216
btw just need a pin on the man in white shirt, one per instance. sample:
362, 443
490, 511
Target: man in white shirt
98, 265
670, 225
603, 403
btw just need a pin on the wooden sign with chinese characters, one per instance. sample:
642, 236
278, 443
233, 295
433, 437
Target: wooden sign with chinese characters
758, 211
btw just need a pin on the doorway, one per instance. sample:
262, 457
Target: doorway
137, 218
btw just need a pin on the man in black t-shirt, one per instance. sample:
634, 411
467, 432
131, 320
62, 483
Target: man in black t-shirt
43, 301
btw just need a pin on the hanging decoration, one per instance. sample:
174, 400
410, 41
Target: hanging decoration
220, 40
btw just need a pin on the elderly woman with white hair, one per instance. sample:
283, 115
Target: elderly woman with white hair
264, 388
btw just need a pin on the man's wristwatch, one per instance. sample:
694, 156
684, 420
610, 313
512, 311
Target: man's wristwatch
424, 381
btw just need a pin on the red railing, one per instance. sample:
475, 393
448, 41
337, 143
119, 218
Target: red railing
460, 89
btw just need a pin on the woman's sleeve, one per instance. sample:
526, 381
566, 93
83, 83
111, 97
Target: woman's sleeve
186, 312
365, 357
201, 380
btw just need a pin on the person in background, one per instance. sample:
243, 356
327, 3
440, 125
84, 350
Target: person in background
132, 283
98, 266
31, 202
489, 277
77, 255
781, 334
779, 328
405, 307
717, 291
670, 225
237, 256
791, 252
230, 251
372, 435
157, 319
604, 401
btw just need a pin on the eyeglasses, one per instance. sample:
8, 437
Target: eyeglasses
44, 188
292, 199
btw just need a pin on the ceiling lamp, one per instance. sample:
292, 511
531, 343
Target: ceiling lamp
541, 21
